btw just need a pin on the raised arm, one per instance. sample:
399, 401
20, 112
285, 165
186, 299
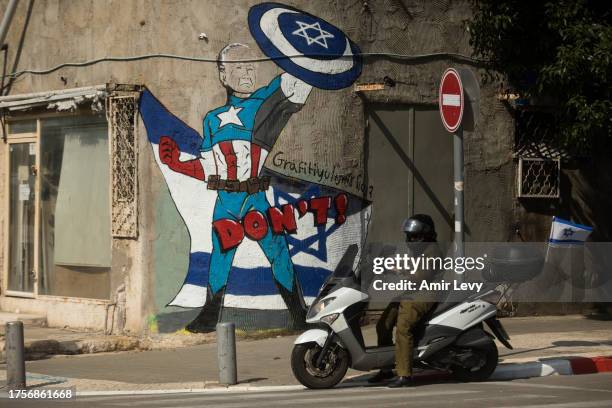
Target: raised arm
169, 154
284, 96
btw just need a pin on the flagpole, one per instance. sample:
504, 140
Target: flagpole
552, 227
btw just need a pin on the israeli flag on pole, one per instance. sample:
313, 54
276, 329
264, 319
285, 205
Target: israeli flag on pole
567, 232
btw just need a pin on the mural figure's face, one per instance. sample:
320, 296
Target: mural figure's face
240, 77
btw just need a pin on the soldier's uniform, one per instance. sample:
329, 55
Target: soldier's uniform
404, 315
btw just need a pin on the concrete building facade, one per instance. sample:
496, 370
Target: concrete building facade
384, 151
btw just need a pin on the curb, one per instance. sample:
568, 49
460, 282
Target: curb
508, 371
512, 371
44, 348
39, 349
554, 366
591, 365
542, 368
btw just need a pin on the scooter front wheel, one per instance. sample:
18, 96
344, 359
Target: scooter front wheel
331, 371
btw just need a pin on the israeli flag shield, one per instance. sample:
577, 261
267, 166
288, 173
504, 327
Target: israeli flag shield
305, 46
567, 232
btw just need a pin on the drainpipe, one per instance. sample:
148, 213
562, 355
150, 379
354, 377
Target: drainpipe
6, 20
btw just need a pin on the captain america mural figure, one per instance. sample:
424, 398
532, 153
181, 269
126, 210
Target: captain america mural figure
237, 138
239, 209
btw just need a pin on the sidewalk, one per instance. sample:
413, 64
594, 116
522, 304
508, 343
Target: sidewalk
46, 342
267, 362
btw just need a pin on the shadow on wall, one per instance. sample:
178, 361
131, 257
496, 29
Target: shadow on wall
586, 197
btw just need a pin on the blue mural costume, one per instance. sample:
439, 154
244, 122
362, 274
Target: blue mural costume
237, 138
229, 135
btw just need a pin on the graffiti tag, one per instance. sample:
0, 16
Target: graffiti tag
321, 174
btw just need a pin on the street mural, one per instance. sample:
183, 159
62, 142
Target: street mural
259, 240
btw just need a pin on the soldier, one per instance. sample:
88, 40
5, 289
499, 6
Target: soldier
405, 314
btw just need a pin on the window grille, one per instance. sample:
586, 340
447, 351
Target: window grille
538, 178
122, 114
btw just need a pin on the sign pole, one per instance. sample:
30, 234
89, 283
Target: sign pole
451, 101
458, 191
459, 90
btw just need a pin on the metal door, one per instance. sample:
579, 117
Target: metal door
410, 164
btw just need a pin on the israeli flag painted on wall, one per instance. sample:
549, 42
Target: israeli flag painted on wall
567, 232
315, 250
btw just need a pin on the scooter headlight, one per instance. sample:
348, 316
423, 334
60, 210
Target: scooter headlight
330, 319
320, 305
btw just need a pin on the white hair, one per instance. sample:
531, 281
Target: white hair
221, 58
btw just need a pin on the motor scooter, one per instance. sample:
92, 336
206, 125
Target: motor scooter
450, 337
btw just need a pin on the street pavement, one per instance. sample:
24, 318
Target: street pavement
267, 362
582, 391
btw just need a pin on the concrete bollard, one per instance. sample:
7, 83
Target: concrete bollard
226, 352
15, 356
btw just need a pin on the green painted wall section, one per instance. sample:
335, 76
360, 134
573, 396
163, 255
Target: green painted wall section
171, 252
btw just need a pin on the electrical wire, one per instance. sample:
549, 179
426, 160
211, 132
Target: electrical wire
404, 57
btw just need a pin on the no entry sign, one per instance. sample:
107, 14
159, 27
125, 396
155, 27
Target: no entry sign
450, 100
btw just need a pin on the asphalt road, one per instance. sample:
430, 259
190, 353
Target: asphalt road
582, 391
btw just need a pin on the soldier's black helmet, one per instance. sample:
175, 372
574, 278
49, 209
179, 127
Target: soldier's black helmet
419, 227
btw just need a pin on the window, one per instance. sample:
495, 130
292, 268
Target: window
59, 206
75, 241
538, 178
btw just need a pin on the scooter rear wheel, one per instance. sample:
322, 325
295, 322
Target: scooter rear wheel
305, 370
489, 357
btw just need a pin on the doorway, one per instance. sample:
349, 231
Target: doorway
410, 164
22, 216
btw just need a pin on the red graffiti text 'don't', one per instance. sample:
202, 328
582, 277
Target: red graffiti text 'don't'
255, 224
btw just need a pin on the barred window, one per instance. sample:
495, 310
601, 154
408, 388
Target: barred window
539, 178
539, 155
122, 114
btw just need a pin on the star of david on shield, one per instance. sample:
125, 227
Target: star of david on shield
306, 46
320, 39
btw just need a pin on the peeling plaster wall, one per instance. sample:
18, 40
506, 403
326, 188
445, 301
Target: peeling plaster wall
330, 129
423, 27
